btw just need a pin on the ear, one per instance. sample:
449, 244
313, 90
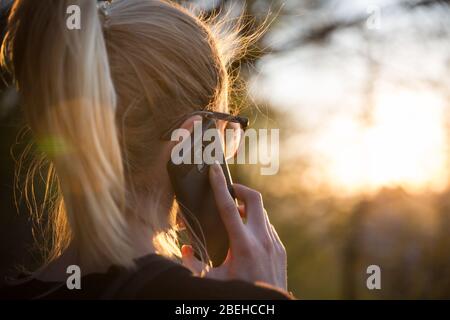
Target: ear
188, 125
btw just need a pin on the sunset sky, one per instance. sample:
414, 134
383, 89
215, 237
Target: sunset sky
371, 105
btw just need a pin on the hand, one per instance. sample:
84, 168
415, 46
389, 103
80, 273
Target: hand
256, 253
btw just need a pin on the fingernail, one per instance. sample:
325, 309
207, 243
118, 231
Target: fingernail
217, 163
185, 250
216, 167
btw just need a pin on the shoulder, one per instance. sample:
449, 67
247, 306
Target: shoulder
155, 278
178, 282
19, 287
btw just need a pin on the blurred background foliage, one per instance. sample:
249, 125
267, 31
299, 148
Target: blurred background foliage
360, 93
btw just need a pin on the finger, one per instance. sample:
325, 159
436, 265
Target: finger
278, 241
272, 232
190, 261
275, 236
253, 206
269, 226
227, 207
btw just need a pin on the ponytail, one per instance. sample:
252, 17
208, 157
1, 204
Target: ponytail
69, 99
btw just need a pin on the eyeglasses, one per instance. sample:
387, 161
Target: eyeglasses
231, 128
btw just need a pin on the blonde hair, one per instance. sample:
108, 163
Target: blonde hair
96, 100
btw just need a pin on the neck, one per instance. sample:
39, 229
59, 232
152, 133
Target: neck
141, 236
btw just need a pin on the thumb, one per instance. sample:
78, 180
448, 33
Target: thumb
190, 261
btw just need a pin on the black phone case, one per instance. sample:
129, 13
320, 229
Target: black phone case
195, 198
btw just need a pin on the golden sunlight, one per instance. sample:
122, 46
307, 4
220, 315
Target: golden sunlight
403, 145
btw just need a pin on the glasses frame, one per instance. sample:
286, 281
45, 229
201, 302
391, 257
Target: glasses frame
243, 121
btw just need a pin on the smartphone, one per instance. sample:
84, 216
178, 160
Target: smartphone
196, 201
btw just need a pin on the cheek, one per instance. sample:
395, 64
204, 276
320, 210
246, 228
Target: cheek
174, 216
179, 223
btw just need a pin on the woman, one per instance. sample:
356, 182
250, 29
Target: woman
97, 99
